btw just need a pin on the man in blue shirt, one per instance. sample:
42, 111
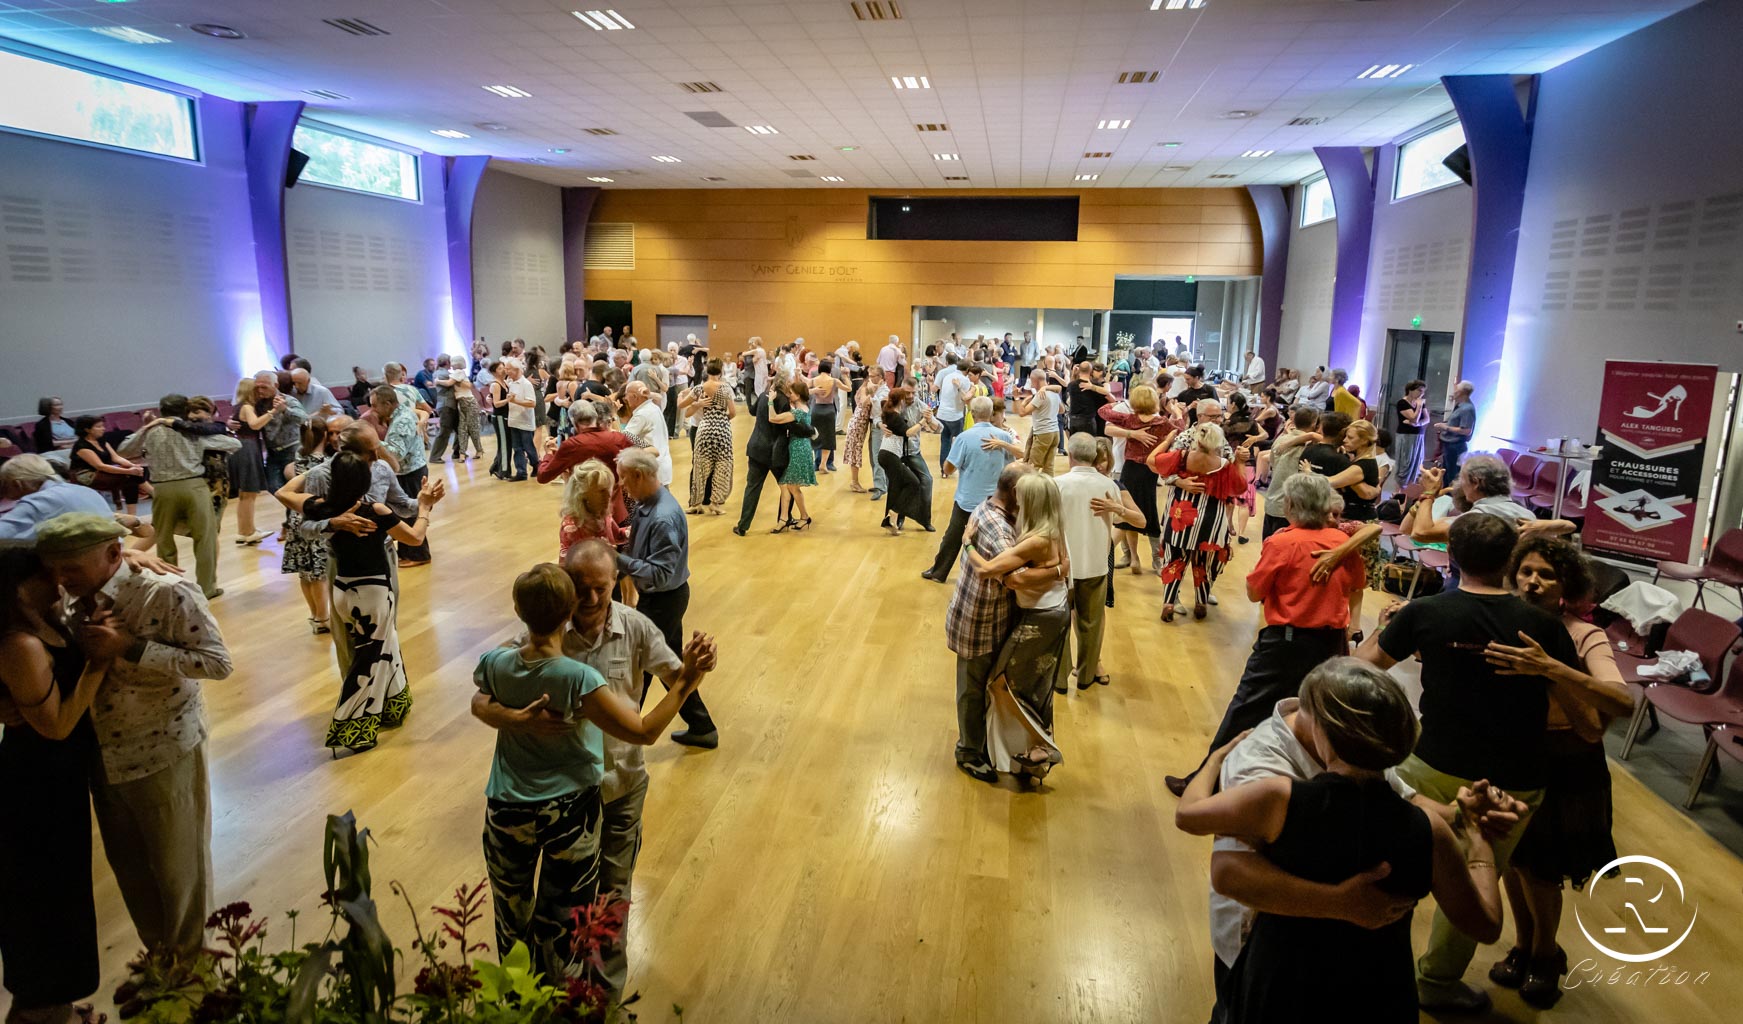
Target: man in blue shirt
1457, 428
980, 464
41, 494
657, 558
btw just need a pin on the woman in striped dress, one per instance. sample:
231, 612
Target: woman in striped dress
711, 454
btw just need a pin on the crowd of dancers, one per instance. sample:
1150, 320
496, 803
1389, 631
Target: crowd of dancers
1067, 470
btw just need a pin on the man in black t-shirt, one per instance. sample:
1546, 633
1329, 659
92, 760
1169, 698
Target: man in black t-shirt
1476, 723
1196, 391
1083, 396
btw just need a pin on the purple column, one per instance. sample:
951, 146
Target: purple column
460, 178
1499, 137
1274, 221
1352, 189
268, 133
577, 207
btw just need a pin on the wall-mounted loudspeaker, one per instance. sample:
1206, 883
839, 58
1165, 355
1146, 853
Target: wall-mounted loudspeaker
294, 169
1459, 162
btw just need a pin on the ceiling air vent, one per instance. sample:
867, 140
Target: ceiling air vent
956, 177
931, 127
609, 247
710, 119
1096, 156
709, 177
356, 27
1302, 122
801, 156
1138, 77
700, 87
599, 131
877, 10
326, 94
490, 126
1219, 175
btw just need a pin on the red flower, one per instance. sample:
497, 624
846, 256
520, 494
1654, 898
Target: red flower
1181, 515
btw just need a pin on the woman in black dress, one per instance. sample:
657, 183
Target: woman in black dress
1339, 823
97, 465
375, 693
48, 918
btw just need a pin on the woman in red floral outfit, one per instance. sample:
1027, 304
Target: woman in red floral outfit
1203, 481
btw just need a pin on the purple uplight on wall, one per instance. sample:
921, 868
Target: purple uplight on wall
1272, 205
268, 128
577, 208
1352, 190
460, 178
1499, 137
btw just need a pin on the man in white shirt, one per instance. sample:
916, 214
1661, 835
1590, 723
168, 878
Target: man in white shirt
759, 358
648, 427
952, 389
522, 400
1087, 503
892, 357
1254, 375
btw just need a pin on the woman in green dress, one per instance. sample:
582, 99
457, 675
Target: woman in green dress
801, 461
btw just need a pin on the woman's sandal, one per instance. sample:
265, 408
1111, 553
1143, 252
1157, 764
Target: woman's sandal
855, 488
801, 524
786, 524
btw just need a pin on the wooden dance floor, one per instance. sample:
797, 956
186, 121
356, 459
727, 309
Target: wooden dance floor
828, 863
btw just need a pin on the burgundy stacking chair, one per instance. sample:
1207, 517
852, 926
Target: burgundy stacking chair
1724, 566
1696, 630
21, 436
1507, 455
1547, 482
342, 392
1524, 470
1724, 739
120, 424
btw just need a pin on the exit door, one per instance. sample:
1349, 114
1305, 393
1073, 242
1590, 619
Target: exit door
1416, 355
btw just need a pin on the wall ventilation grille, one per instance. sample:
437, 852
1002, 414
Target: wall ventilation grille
877, 10
700, 87
610, 247
599, 131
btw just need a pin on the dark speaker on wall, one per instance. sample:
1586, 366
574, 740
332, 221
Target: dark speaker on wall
1459, 162
294, 168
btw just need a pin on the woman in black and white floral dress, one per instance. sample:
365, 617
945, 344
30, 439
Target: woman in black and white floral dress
374, 693
711, 454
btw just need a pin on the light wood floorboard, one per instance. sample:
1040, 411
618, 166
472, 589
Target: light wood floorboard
828, 863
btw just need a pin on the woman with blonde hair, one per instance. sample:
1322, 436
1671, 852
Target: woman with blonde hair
1196, 525
1020, 696
1144, 429
587, 508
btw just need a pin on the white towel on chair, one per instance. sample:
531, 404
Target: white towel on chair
1644, 605
1672, 665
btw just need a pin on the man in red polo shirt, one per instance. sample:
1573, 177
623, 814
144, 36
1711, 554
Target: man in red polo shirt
1305, 619
594, 438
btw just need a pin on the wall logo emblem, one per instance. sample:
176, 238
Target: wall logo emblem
1642, 899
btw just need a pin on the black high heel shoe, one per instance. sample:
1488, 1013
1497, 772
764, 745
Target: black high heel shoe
786, 524
800, 524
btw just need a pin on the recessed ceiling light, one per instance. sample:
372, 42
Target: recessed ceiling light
945, 156
508, 92
1176, 5
1087, 177
1258, 152
603, 181
603, 21
216, 31
1169, 145
668, 159
707, 177
1385, 71
1114, 126
536, 160
1238, 115
559, 150
449, 133
490, 126
761, 129
129, 35
831, 177
847, 149
910, 82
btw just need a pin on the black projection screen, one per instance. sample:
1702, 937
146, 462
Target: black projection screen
974, 219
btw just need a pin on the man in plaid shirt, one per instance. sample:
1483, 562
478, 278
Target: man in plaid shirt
979, 617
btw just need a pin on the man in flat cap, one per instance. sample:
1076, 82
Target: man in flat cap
150, 792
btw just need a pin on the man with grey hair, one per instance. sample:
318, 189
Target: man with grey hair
648, 427
315, 397
1087, 502
40, 493
282, 436
178, 475
979, 462
1305, 603
657, 558
892, 357
1487, 484
1457, 428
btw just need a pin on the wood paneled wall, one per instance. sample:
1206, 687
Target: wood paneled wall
796, 262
